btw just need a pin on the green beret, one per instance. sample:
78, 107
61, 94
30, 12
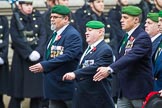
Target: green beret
160, 13
25, 1
153, 16
61, 9
131, 10
95, 24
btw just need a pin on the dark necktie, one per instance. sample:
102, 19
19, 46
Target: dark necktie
88, 48
159, 50
50, 44
124, 41
84, 54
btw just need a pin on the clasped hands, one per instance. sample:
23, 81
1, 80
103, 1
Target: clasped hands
102, 72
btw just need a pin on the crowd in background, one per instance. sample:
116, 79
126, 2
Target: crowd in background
31, 31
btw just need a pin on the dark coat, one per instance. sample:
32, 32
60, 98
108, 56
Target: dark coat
134, 66
24, 83
4, 41
88, 93
157, 65
155, 45
59, 63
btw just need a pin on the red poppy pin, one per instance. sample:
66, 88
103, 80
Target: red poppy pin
131, 38
94, 49
58, 38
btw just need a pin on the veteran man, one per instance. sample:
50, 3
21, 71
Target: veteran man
151, 27
134, 66
90, 94
63, 53
159, 54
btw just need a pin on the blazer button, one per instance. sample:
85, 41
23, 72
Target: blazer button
156, 78
75, 89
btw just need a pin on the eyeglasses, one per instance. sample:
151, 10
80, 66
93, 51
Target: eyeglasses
55, 17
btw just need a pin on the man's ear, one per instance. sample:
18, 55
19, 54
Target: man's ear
136, 20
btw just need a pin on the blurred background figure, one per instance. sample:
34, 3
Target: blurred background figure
72, 15
94, 10
46, 17
157, 6
115, 15
62, 2
28, 42
151, 27
4, 68
146, 6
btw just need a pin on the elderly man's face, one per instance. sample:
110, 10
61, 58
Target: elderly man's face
93, 35
57, 21
160, 24
151, 27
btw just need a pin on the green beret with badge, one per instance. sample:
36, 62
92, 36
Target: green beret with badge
131, 10
25, 1
153, 16
61, 9
95, 24
160, 13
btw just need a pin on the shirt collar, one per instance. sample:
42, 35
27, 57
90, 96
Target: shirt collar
132, 30
61, 30
154, 37
96, 43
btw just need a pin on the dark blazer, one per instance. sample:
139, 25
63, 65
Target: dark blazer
157, 66
88, 93
134, 66
155, 45
60, 63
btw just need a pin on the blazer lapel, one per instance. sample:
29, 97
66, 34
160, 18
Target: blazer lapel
91, 54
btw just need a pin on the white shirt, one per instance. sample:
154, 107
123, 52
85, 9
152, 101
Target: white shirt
58, 33
154, 37
91, 46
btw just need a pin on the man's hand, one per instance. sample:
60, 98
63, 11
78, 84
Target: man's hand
69, 76
37, 68
102, 72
